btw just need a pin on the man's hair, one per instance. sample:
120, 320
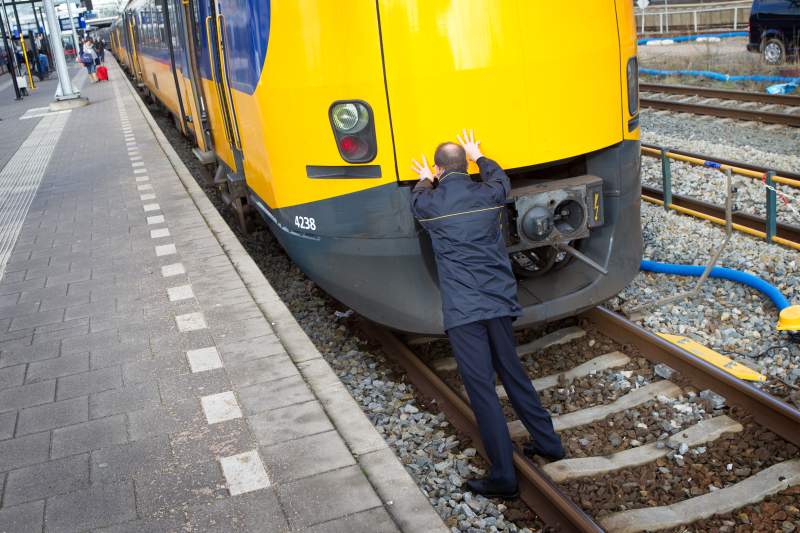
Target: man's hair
451, 157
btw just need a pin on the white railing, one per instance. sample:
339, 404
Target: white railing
696, 17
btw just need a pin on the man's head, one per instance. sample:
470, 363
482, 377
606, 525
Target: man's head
450, 157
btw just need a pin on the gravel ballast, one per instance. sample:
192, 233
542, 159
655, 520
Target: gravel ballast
725, 316
436, 456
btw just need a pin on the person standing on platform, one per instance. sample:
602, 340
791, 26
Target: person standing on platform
479, 302
100, 50
88, 57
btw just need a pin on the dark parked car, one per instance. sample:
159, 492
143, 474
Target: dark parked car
775, 29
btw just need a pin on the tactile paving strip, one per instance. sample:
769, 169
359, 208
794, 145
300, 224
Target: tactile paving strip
21, 177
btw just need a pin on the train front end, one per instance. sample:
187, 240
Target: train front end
551, 90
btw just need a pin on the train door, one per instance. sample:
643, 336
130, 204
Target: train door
215, 34
187, 52
136, 68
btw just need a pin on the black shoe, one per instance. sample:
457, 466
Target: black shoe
530, 449
492, 489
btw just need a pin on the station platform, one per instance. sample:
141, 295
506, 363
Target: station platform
150, 378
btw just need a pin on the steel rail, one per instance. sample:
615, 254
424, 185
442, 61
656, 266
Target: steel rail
767, 410
541, 494
724, 94
737, 167
767, 117
787, 234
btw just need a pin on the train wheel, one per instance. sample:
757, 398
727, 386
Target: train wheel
535, 262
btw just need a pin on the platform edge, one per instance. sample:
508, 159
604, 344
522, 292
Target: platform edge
397, 482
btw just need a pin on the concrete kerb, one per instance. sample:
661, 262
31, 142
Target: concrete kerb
402, 497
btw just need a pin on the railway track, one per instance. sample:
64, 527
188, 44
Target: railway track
738, 105
787, 234
553, 490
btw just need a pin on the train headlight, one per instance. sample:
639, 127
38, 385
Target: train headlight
354, 130
633, 86
350, 117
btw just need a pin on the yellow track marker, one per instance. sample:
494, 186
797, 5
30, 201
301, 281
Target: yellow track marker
717, 359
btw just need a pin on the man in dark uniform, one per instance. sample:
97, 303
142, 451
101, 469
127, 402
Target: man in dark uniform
479, 302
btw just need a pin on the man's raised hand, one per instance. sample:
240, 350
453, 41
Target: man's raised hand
470, 145
422, 169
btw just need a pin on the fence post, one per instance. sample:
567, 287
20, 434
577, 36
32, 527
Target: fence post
666, 178
772, 207
694, 16
735, 17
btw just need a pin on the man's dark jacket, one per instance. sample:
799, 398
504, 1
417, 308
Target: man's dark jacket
464, 219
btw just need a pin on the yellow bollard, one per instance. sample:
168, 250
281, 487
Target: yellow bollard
27, 64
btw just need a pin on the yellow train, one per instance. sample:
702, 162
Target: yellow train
313, 110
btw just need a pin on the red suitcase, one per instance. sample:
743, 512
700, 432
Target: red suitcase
102, 73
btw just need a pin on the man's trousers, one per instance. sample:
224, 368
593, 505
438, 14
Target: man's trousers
482, 349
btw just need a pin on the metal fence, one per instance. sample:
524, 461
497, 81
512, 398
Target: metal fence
693, 18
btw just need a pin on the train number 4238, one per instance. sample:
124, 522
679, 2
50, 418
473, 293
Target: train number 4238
305, 222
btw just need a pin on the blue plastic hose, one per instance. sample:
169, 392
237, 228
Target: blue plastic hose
684, 38
718, 75
750, 280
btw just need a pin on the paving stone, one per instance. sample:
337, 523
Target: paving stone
177, 484
23, 451
124, 400
120, 354
306, 456
37, 319
99, 505
261, 370
12, 376
179, 388
25, 518
123, 461
14, 355
58, 367
254, 512
53, 415
8, 421
320, 498
221, 407
47, 479
289, 423
165, 419
244, 472
164, 366
89, 436
27, 395
102, 340
60, 301
26, 308
274, 394
150, 525
375, 521
89, 382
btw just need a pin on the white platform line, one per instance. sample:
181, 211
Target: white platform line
191, 322
220, 407
204, 359
159, 233
244, 472
166, 249
175, 269
182, 292
156, 219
